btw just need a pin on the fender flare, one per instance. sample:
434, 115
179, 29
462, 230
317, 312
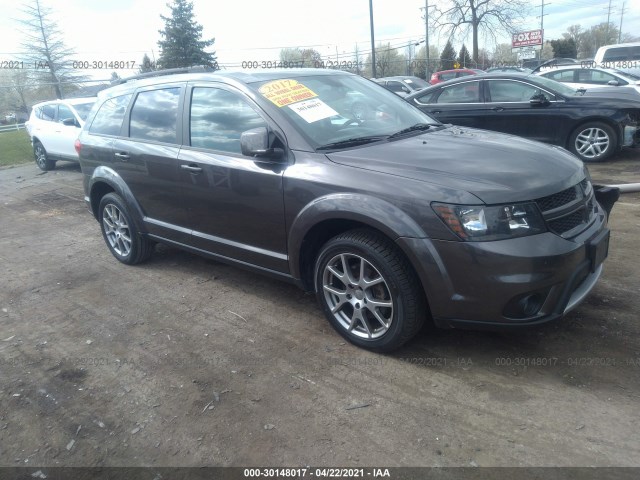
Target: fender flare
372, 211
109, 176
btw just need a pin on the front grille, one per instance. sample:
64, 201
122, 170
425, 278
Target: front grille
557, 200
564, 224
566, 210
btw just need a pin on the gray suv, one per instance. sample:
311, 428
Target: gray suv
389, 216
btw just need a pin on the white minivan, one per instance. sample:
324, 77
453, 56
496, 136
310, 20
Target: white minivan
622, 56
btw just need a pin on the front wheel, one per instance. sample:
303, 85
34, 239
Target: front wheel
369, 291
120, 232
42, 160
593, 142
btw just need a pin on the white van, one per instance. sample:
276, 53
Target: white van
623, 56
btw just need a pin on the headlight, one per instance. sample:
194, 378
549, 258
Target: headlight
476, 223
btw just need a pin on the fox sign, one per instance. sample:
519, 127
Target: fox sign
527, 39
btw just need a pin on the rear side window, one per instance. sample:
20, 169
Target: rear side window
154, 115
621, 54
468, 92
218, 117
561, 75
109, 118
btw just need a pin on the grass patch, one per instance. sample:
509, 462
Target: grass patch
15, 148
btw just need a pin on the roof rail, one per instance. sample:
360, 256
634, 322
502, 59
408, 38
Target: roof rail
168, 71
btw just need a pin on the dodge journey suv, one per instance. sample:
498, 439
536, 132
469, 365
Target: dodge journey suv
390, 217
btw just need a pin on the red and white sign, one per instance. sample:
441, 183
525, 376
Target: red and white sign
527, 39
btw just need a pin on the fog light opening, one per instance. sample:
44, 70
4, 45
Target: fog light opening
526, 305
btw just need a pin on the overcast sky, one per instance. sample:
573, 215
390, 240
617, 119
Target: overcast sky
245, 30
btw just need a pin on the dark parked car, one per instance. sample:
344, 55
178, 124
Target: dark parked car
391, 218
592, 125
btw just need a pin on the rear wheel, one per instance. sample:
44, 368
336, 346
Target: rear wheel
593, 142
120, 233
368, 291
42, 160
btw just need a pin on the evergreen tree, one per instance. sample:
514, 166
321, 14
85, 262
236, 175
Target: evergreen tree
182, 44
147, 65
447, 57
464, 59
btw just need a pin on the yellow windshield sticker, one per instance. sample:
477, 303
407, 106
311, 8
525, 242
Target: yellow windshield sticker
286, 92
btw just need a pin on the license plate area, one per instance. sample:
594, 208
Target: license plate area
598, 249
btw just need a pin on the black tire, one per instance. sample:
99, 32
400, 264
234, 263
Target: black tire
42, 159
588, 139
381, 328
120, 232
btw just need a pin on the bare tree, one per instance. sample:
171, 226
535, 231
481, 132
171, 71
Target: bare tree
486, 16
44, 48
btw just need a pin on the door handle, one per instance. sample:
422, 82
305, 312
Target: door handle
191, 168
435, 111
122, 156
497, 109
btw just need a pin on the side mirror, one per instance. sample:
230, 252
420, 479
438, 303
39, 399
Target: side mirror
538, 99
255, 143
70, 122
613, 83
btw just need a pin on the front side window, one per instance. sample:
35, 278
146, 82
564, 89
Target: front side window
64, 113
468, 92
154, 115
218, 118
510, 91
83, 109
397, 87
108, 120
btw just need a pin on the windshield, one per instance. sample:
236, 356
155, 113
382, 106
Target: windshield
83, 109
416, 83
329, 109
553, 85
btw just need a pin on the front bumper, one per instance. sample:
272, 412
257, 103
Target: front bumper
516, 282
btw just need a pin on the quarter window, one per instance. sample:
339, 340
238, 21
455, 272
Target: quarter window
218, 117
108, 120
154, 115
468, 92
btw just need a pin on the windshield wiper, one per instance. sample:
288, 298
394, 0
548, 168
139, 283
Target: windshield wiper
351, 142
413, 128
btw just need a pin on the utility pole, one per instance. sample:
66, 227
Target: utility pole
606, 37
373, 43
542, 15
620, 30
426, 37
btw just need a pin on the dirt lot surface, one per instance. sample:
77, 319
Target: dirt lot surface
183, 361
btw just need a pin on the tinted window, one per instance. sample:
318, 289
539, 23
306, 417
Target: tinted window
621, 54
463, 74
447, 76
83, 109
108, 120
154, 115
64, 113
561, 75
509, 91
596, 77
47, 112
397, 87
468, 92
218, 117
428, 98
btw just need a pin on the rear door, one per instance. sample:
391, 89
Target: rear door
460, 104
146, 154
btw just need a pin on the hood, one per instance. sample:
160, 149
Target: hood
494, 167
626, 93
